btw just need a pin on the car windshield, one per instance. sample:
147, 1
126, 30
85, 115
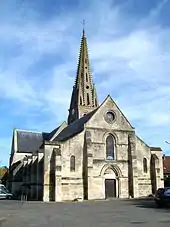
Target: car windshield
3, 189
167, 190
160, 190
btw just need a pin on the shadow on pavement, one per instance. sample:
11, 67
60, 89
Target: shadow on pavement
149, 203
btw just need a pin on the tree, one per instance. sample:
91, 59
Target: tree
3, 171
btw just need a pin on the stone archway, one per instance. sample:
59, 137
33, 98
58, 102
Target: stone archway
111, 175
110, 182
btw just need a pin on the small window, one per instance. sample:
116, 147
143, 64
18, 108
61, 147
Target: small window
57, 151
145, 169
110, 117
88, 99
80, 101
58, 168
88, 134
86, 77
72, 163
95, 102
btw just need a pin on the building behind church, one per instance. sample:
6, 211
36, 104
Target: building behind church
166, 170
95, 154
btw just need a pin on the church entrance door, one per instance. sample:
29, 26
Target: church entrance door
110, 188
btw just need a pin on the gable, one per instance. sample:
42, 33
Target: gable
74, 128
101, 118
138, 139
56, 131
142, 149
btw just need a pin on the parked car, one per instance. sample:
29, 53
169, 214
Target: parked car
4, 193
162, 196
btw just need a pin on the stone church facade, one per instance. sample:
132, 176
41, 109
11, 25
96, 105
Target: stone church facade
96, 154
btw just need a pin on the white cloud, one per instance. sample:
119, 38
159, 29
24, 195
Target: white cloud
130, 64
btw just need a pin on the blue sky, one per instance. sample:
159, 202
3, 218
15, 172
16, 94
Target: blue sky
129, 50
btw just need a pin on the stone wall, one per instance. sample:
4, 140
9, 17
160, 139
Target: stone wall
144, 178
70, 183
145, 188
72, 188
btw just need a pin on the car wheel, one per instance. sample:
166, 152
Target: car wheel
159, 204
9, 197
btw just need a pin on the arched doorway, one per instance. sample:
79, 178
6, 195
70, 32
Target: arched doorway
110, 183
111, 175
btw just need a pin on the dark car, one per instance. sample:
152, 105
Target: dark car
162, 196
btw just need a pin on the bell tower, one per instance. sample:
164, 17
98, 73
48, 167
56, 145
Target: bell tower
84, 95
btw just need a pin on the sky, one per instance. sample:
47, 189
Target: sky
129, 50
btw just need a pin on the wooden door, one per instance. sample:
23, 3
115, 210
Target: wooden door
110, 188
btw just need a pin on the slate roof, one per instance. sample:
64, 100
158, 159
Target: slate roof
155, 149
30, 141
74, 128
51, 134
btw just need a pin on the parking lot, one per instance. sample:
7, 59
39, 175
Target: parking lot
122, 213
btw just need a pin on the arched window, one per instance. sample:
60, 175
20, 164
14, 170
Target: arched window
95, 102
86, 77
80, 101
88, 100
110, 145
72, 163
145, 168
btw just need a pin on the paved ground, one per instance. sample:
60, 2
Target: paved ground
117, 213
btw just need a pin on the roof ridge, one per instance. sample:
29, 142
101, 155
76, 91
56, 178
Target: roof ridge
23, 130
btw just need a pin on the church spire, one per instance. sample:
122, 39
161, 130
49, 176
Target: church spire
84, 96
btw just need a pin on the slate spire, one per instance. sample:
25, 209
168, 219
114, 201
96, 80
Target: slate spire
84, 95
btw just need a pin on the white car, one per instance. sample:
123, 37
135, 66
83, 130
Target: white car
4, 193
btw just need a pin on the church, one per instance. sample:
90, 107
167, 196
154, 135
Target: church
95, 154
